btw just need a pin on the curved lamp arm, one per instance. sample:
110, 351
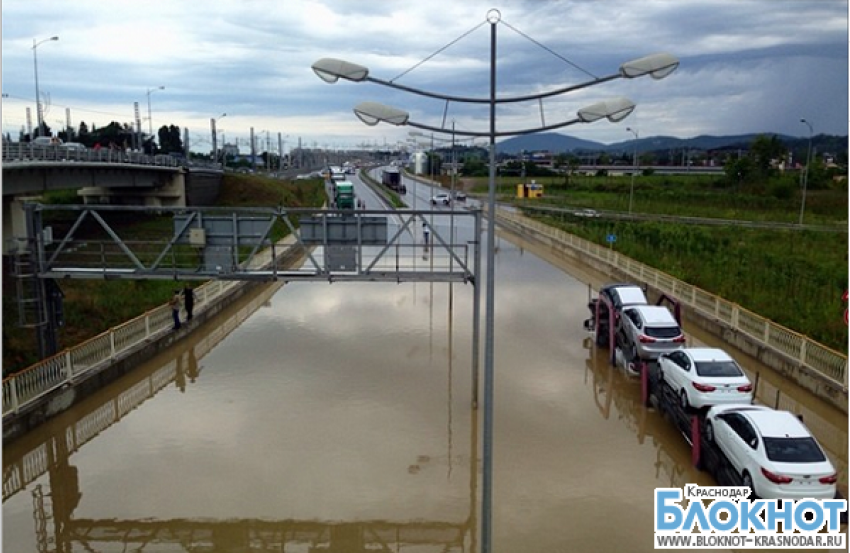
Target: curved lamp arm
615, 109
657, 66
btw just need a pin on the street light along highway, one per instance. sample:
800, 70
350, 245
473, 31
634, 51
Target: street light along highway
150, 119
806, 171
634, 169
38, 113
331, 70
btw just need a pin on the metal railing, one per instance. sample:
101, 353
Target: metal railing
41, 378
825, 361
27, 152
21, 471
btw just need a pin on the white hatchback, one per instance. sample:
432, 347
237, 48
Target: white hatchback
773, 451
702, 377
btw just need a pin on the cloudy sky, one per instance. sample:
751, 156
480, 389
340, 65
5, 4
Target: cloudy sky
746, 65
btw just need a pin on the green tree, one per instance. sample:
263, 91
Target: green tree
169, 139
473, 166
766, 152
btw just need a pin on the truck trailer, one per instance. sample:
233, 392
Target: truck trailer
344, 195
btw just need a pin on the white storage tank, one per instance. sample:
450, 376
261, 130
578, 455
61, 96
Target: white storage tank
420, 163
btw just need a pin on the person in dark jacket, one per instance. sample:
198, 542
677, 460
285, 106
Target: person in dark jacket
188, 301
174, 303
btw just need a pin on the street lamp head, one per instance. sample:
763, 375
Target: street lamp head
331, 70
656, 66
373, 113
615, 109
53, 38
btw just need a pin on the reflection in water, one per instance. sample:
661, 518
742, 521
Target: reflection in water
58, 527
325, 422
613, 386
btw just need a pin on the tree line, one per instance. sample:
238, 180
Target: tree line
117, 135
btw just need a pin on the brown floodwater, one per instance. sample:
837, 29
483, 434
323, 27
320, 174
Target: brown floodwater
337, 417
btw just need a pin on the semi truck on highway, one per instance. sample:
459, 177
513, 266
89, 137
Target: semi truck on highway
391, 178
344, 195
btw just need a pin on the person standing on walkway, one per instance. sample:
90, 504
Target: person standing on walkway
174, 302
188, 301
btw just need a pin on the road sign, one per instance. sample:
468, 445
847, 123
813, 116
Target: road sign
611, 238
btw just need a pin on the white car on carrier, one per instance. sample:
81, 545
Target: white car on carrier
703, 377
773, 451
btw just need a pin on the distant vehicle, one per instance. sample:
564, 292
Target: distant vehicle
441, 198
75, 146
391, 178
647, 331
336, 173
773, 451
344, 195
460, 196
586, 213
46, 141
704, 377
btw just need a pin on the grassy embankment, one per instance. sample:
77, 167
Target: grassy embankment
795, 278
93, 306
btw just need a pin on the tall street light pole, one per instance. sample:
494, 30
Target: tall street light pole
215, 136
371, 113
634, 168
38, 113
806, 171
150, 119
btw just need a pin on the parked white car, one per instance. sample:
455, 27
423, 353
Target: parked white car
773, 451
703, 377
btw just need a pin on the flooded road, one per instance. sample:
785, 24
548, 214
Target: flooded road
336, 417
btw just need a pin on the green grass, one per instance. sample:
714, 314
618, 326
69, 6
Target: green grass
795, 278
93, 306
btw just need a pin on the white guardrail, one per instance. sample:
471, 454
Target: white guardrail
819, 358
43, 377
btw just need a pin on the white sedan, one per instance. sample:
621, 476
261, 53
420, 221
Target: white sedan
773, 451
702, 377
441, 198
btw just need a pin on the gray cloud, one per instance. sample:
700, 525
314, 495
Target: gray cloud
746, 66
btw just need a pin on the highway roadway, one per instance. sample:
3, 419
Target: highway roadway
337, 417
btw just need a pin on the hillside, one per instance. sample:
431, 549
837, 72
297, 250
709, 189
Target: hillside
557, 143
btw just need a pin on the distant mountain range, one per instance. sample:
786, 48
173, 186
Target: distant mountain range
558, 143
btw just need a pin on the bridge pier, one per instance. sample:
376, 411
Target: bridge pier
170, 192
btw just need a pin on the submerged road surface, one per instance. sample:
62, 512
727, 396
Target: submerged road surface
336, 417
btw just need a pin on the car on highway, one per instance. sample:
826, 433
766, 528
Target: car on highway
704, 377
774, 453
592, 213
441, 198
459, 196
647, 331
73, 146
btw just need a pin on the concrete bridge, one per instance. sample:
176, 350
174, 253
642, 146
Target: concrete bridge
103, 176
